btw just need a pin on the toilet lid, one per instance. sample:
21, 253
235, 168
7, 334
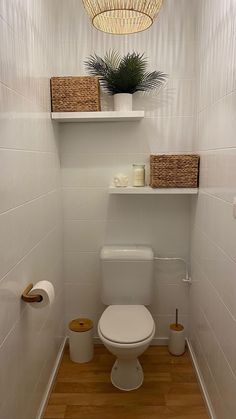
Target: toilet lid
126, 323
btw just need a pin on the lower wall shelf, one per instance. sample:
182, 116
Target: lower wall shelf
100, 116
147, 190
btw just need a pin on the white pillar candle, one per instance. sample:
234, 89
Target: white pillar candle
138, 175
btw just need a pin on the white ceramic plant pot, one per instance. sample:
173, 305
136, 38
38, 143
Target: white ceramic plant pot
123, 102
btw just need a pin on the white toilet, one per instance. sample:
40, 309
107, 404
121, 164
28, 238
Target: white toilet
126, 327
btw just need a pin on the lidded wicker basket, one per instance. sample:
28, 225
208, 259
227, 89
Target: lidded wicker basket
75, 94
174, 171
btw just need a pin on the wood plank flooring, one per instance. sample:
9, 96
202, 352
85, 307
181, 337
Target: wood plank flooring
84, 391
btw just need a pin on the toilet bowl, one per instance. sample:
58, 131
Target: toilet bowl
126, 331
126, 327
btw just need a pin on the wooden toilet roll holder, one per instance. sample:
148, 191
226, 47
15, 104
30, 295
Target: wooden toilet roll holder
31, 298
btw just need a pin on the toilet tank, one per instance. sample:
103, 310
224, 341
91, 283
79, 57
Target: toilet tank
126, 274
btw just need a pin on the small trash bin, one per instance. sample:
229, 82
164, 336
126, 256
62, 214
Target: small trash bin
81, 340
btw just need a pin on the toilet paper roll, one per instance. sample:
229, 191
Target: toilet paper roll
46, 290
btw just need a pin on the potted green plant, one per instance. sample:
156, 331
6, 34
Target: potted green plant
123, 76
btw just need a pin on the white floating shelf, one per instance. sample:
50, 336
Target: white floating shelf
147, 190
99, 116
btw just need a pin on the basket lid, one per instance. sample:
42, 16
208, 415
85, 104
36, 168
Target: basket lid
80, 325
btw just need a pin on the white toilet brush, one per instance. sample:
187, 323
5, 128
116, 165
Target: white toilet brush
176, 344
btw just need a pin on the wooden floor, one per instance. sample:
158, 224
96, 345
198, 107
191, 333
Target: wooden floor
84, 391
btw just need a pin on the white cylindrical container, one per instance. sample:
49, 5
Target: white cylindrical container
176, 344
81, 340
123, 102
138, 174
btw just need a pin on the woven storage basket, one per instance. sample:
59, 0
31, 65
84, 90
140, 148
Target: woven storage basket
75, 94
174, 171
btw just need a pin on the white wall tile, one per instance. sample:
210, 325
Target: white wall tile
21, 116
84, 235
81, 266
91, 154
38, 175
30, 208
163, 324
85, 296
169, 297
85, 170
177, 98
217, 124
168, 135
218, 173
42, 262
213, 230
102, 137
85, 203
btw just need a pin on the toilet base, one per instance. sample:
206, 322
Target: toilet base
127, 375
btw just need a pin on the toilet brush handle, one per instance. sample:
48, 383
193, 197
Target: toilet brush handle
176, 317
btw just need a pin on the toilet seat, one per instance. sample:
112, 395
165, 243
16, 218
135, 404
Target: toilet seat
126, 324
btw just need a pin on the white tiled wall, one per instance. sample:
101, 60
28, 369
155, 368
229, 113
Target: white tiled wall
40, 39
213, 293
91, 154
30, 207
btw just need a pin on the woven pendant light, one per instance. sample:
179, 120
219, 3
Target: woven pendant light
121, 17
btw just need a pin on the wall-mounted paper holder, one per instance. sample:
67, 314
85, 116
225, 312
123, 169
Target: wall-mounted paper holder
31, 298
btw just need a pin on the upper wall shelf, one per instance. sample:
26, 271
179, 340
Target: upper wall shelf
131, 190
110, 116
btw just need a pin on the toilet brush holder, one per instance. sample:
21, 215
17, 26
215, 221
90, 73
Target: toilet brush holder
176, 344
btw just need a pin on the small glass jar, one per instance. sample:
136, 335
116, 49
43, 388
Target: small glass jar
138, 174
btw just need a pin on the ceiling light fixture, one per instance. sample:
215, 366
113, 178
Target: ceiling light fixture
120, 17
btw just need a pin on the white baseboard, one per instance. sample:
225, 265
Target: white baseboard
51, 381
201, 381
159, 341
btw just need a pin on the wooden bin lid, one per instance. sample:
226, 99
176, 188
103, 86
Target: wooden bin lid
178, 328
80, 325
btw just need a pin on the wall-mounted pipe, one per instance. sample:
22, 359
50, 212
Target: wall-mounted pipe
187, 279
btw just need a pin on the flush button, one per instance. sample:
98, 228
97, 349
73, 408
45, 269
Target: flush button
234, 207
